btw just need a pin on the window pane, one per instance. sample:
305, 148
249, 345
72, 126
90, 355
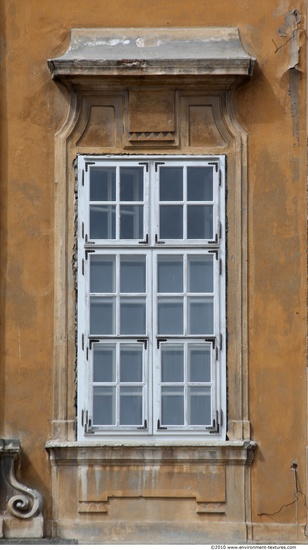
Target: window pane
103, 406
200, 222
104, 363
131, 222
200, 406
172, 406
102, 184
102, 273
130, 406
170, 274
171, 184
133, 274
102, 222
172, 363
199, 363
200, 274
201, 315
133, 318
170, 316
102, 316
131, 363
200, 184
131, 184
171, 222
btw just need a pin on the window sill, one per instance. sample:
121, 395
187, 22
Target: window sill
239, 451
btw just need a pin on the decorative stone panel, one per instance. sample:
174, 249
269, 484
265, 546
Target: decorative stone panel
20, 506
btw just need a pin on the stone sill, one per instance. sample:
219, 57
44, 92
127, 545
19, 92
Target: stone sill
236, 452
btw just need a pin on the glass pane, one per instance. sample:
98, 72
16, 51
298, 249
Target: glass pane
201, 315
102, 222
200, 274
131, 222
200, 184
104, 363
102, 316
172, 406
133, 319
170, 316
132, 274
199, 363
172, 363
131, 184
171, 184
171, 222
131, 363
102, 184
102, 273
200, 406
131, 406
103, 406
170, 273
200, 222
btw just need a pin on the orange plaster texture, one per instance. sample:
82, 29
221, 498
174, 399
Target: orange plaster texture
271, 108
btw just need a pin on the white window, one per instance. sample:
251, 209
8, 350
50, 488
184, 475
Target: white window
151, 297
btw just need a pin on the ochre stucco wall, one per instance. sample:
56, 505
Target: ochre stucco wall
271, 108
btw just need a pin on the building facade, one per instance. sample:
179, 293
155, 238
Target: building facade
153, 313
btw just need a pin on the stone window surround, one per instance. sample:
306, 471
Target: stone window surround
214, 62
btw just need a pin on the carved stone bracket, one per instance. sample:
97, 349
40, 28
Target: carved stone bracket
20, 506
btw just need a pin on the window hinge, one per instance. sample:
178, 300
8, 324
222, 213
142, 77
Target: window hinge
220, 342
87, 354
88, 163
82, 178
82, 266
144, 427
217, 354
157, 241
82, 417
87, 252
220, 178
159, 340
219, 230
82, 341
143, 341
220, 266
214, 252
92, 341
215, 241
88, 425
159, 427
146, 240
214, 164
158, 164
87, 241
82, 230
216, 423
146, 164
211, 339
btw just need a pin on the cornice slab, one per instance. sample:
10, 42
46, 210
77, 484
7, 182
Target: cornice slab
156, 51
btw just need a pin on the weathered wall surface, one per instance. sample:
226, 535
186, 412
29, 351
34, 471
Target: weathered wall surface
271, 108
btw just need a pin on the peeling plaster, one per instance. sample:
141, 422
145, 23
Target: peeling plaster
290, 32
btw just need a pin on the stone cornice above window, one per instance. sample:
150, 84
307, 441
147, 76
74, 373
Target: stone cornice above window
211, 52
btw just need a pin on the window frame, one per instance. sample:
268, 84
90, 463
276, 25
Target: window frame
154, 246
